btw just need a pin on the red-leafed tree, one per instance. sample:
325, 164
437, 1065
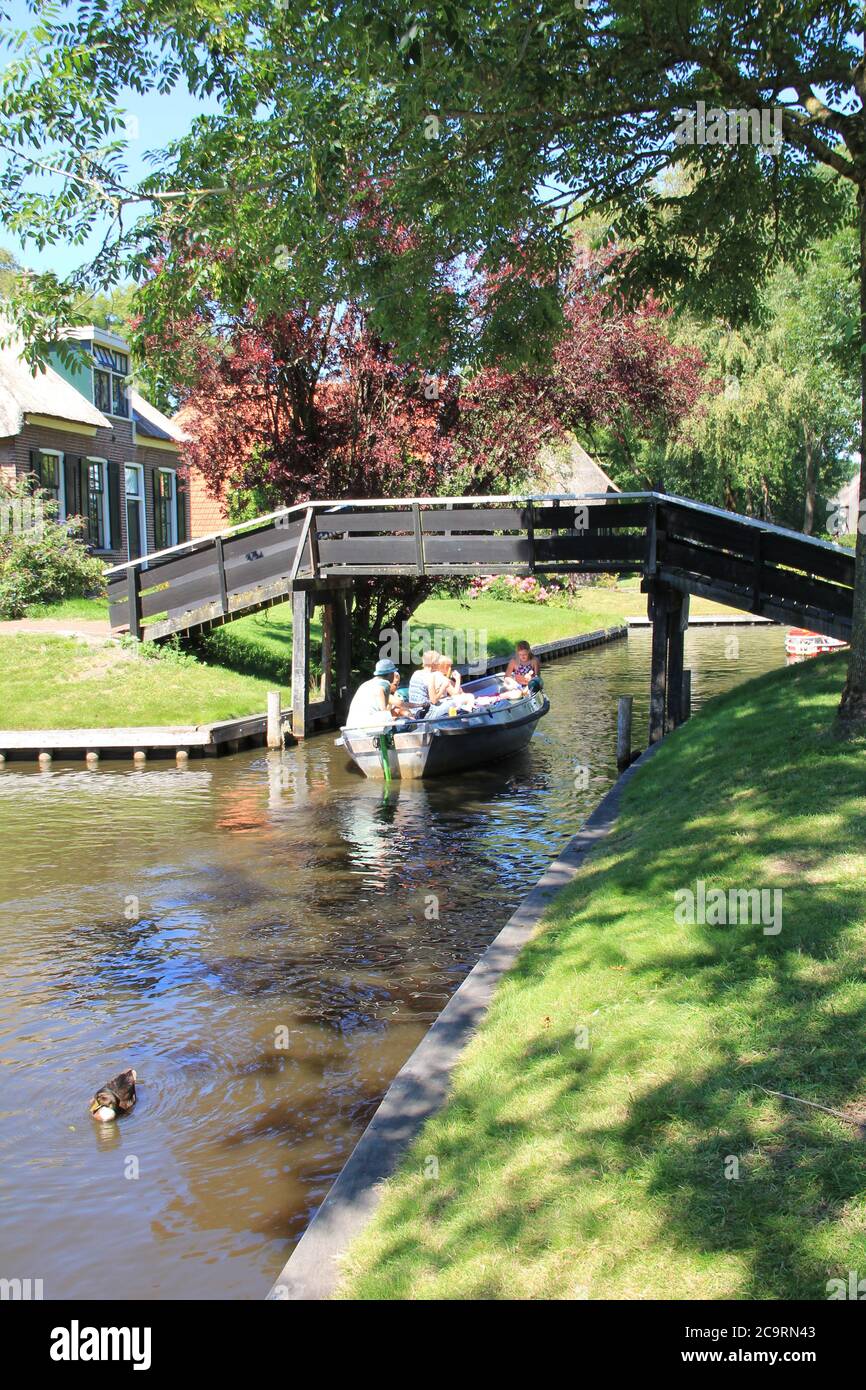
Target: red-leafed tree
313, 405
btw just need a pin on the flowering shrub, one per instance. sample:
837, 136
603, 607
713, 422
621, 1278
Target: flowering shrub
556, 590
44, 562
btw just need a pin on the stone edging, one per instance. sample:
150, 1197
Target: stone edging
421, 1086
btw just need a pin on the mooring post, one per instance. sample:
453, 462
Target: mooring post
275, 720
300, 663
658, 611
623, 730
687, 694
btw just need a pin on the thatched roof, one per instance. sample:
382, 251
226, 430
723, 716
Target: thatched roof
46, 393
570, 471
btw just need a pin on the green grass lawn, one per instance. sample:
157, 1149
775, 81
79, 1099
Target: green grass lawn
58, 682
94, 609
650, 1163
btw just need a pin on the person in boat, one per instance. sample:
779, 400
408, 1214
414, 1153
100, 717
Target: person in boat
397, 701
452, 679
371, 703
524, 667
426, 685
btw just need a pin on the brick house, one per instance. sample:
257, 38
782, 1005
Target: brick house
95, 445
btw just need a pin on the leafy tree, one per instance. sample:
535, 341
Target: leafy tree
483, 129
778, 435
314, 405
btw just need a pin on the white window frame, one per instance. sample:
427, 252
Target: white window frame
173, 517
142, 507
106, 510
124, 380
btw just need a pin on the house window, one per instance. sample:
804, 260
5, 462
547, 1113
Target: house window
110, 372
165, 518
51, 477
97, 505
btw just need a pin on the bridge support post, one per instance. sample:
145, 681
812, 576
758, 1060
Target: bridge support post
658, 603
300, 664
343, 642
678, 618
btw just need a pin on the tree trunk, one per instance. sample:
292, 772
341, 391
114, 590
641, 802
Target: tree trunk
853, 702
811, 480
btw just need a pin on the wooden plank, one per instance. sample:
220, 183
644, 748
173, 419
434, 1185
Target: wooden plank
419, 541
221, 574
777, 611
589, 546
477, 550
684, 524
348, 521
593, 516
134, 604
381, 551
157, 736
481, 519
775, 583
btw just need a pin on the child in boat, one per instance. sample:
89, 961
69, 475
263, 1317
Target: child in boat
523, 666
371, 701
452, 681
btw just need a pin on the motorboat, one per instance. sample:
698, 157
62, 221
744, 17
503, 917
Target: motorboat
449, 737
800, 642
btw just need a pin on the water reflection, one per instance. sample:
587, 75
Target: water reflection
256, 936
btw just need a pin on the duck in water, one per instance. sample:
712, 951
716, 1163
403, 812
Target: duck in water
116, 1097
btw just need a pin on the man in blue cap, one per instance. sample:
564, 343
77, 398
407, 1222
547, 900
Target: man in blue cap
372, 701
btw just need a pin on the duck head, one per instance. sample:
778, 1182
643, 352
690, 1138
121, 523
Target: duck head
116, 1097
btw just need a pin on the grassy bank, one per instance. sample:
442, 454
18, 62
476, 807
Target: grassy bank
262, 643
651, 1163
58, 682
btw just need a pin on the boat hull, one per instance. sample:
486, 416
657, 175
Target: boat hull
431, 748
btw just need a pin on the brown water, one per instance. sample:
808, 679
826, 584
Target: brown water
257, 937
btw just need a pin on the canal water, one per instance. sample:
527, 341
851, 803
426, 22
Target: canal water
265, 939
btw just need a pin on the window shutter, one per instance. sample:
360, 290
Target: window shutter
158, 531
36, 467
181, 487
75, 505
113, 541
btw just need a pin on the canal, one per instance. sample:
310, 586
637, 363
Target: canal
265, 939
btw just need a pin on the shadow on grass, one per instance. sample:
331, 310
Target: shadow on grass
550, 1156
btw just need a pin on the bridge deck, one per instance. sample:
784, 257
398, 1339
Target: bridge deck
688, 546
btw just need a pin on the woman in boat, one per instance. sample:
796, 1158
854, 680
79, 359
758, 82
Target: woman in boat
426, 686
524, 667
371, 702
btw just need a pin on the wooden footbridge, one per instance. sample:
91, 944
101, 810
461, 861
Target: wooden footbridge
314, 553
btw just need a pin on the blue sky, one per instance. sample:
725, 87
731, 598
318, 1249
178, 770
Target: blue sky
154, 120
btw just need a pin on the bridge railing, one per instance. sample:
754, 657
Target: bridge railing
221, 576
739, 560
